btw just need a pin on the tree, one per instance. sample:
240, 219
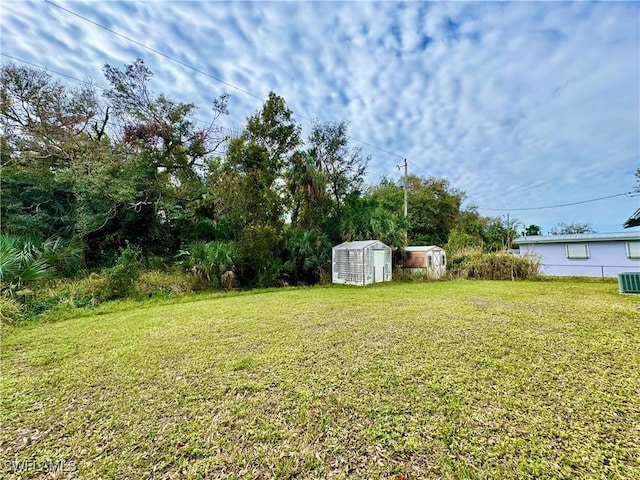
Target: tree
533, 230
343, 167
433, 207
46, 123
259, 158
308, 189
365, 219
47, 131
250, 190
307, 256
571, 228
273, 129
469, 231
166, 157
499, 234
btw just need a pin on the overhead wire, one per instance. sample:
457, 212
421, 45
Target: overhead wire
628, 194
202, 72
89, 82
158, 52
251, 94
47, 69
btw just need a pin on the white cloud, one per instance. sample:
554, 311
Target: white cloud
519, 104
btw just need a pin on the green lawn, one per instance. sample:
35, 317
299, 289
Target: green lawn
462, 379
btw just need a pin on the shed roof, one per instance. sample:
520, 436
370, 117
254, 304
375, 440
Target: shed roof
578, 237
358, 245
425, 248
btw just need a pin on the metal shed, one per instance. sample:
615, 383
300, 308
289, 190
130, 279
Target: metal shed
361, 263
430, 259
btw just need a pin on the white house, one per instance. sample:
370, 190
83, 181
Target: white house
430, 259
361, 263
585, 254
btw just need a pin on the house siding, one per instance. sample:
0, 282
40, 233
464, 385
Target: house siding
606, 259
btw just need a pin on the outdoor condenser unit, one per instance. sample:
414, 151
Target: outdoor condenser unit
629, 282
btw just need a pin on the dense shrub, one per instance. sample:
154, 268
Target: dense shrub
208, 261
174, 282
10, 310
308, 257
259, 256
412, 275
64, 256
84, 292
59, 297
492, 266
21, 263
121, 278
24, 261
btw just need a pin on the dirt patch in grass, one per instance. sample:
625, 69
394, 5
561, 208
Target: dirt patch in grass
441, 380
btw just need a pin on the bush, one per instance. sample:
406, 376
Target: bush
259, 256
174, 282
493, 266
21, 263
121, 278
412, 275
84, 292
60, 297
208, 261
10, 310
308, 256
64, 257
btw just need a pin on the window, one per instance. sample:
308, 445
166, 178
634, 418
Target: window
633, 250
577, 251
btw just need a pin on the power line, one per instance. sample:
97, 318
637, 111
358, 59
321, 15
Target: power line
87, 82
629, 194
376, 147
202, 72
247, 92
46, 69
418, 167
169, 57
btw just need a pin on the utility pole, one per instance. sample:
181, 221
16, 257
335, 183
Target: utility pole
405, 186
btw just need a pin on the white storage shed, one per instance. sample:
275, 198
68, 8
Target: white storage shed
361, 263
430, 260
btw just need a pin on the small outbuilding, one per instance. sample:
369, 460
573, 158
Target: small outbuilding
361, 263
430, 260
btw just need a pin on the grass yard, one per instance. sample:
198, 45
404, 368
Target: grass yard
461, 379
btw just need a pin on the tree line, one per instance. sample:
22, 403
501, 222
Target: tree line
131, 169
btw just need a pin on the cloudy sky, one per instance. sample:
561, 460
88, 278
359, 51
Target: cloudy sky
519, 104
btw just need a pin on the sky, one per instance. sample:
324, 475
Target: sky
520, 105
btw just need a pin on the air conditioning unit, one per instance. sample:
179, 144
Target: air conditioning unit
629, 282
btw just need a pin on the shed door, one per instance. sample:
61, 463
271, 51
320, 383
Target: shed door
378, 265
